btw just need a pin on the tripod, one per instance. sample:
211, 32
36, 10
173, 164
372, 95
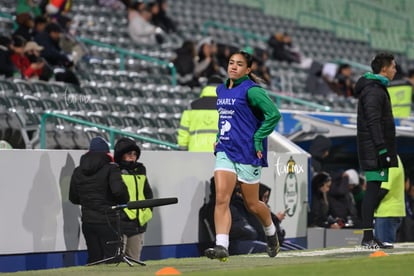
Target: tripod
119, 254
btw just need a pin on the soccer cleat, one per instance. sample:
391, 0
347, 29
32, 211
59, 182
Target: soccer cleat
273, 246
376, 244
217, 252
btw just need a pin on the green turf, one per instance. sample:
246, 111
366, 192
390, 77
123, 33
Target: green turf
349, 263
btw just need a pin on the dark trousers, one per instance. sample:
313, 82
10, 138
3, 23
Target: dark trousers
97, 237
369, 203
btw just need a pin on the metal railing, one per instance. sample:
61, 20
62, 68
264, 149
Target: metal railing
354, 64
334, 24
123, 52
245, 34
278, 98
11, 17
112, 131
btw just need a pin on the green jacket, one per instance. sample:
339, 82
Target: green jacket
24, 7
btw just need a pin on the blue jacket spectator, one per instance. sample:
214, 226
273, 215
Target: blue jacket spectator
52, 52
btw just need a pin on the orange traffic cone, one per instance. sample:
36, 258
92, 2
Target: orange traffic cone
168, 270
378, 253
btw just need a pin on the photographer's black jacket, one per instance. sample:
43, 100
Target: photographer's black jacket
96, 185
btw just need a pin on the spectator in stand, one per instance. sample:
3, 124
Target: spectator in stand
54, 55
317, 83
160, 17
28, 6
140, 28
184, 62
343, 83
57, 8
25, 24
224, 51
259, 67
154, 9
7, 68
38, 69
319, 213
113, 4
138, 5
283, 49
68, 41
52, 52
207, 65
40, 23
18, 57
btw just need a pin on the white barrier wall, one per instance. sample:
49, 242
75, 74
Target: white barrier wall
289, 182
38, 217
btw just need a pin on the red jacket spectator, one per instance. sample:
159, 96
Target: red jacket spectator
27, 67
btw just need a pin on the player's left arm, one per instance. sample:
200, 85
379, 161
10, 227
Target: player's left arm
261, 102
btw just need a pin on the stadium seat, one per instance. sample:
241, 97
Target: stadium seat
148, 122
7, 87
23, 86
43, 88
34, 104
16, 102
97, 117
91, 91
130, 121
52, 104
115, 121
117, 107
101, 106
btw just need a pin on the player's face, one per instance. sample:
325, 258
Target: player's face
237, 67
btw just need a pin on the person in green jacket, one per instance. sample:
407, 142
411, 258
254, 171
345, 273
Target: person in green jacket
133, 221
391, 205
28, 6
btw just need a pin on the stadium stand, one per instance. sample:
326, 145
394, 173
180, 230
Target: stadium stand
138, 95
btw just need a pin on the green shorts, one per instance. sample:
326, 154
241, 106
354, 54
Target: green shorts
245, 173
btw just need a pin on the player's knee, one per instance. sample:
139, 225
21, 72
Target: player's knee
253, 207
222, 201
